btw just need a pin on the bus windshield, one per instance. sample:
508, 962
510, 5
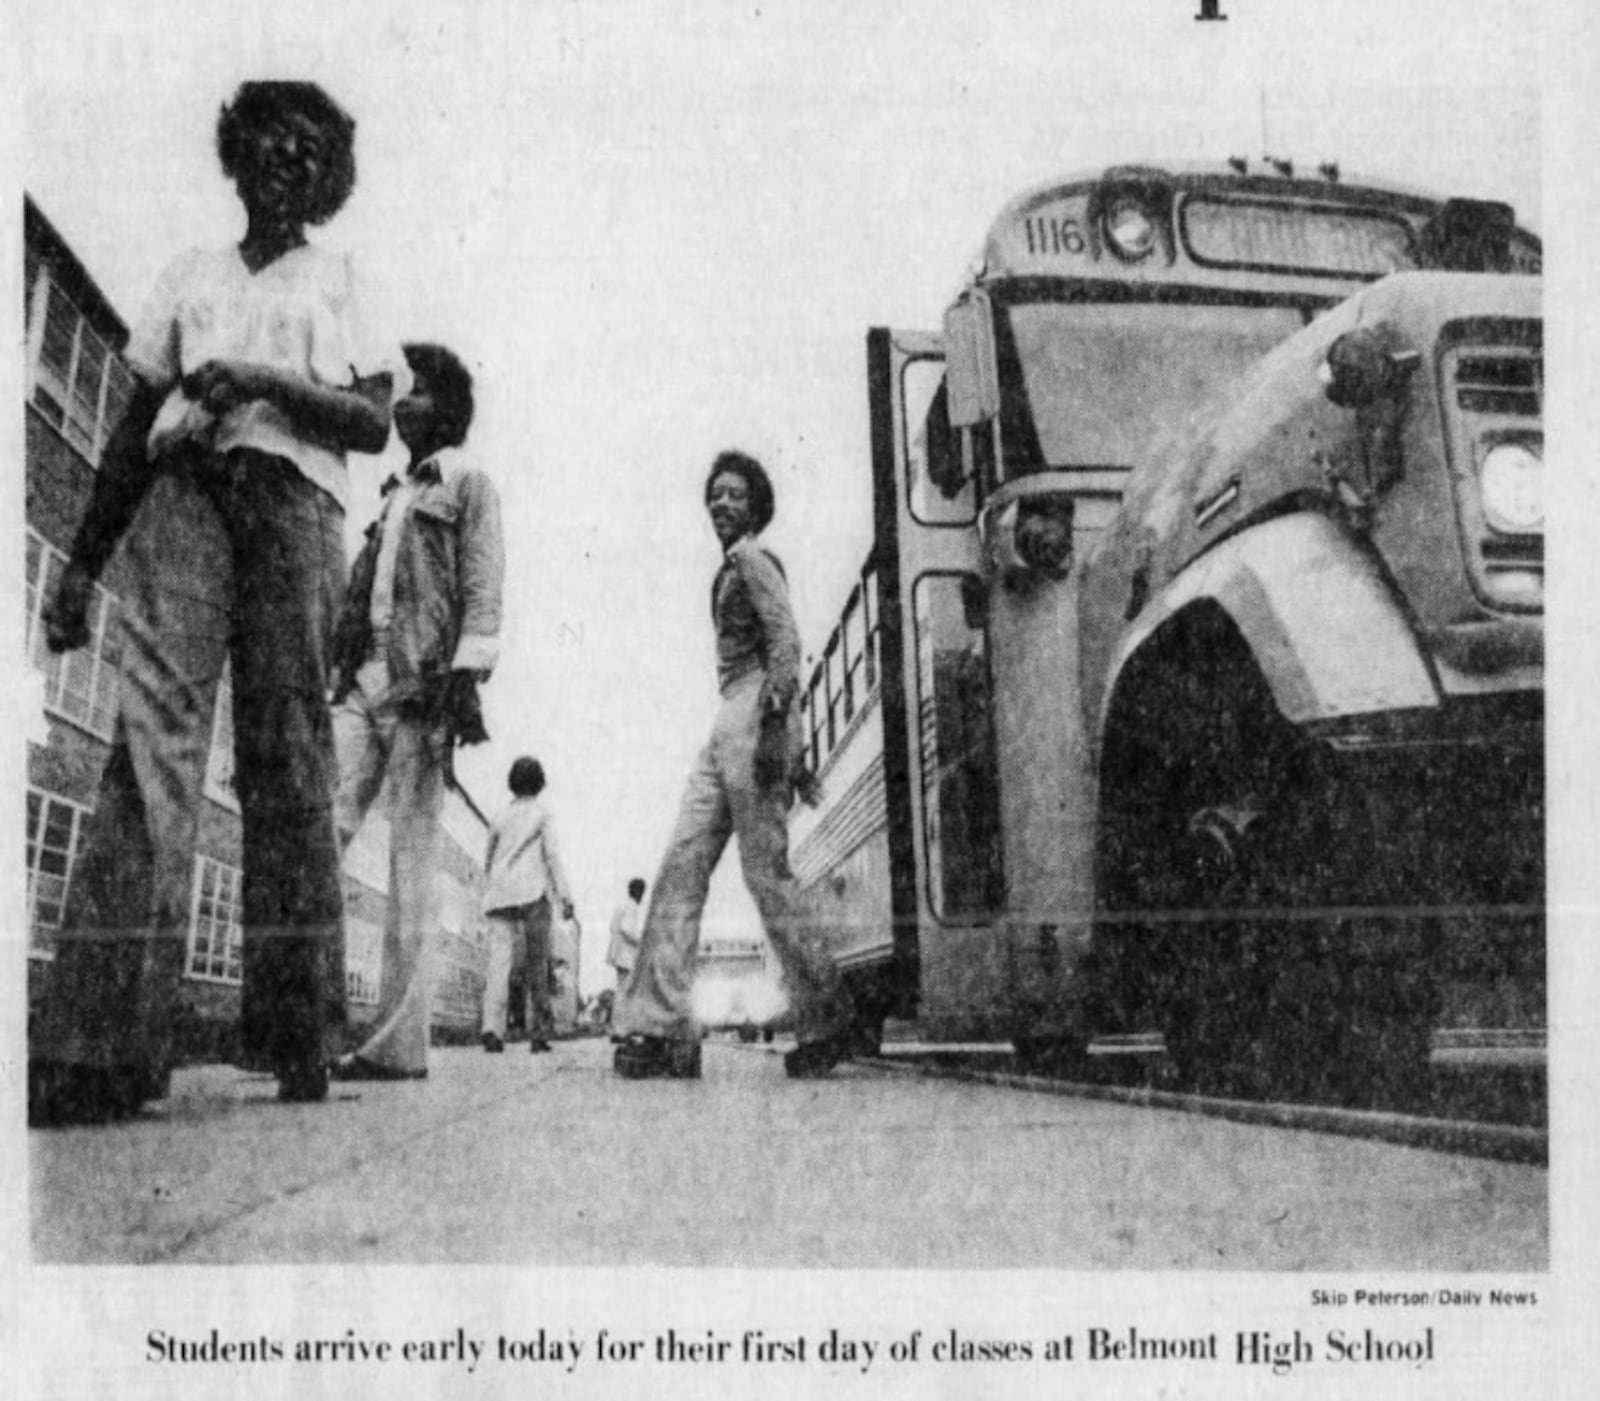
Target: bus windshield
1105, 382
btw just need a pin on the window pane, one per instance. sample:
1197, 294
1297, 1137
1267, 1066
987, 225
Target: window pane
119, 390
51, 843
869, 598
215, 936
1108, 385
85, 402
31, 268
959, 787
76, 677
57, 826
939, 495
35, 555
55, 348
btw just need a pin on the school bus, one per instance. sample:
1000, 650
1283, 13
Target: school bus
1193, 682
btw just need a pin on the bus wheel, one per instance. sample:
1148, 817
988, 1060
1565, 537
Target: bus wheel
1209, 1008
1261, 887
1208, 986
1388, 1039
1333, 990
1304, 1021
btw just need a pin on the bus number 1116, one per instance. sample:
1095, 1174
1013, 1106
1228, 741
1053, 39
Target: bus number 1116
1048, 235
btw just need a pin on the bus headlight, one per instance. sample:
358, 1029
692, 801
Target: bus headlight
1129, 229
1030, 539
1512, 482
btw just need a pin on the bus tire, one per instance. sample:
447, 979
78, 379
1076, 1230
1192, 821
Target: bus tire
1266, 959
1308, 992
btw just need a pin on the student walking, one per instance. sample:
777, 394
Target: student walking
524, 882
623, 950
418, 631
742, 785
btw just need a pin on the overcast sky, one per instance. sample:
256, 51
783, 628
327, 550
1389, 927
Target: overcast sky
658, 230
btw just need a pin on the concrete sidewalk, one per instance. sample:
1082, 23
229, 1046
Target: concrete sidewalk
552, 1160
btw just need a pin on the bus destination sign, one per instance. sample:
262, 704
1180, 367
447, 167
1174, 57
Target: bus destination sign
1277, 236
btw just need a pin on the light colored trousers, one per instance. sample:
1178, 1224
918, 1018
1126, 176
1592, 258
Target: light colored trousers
530, 923
722, 801
377, 744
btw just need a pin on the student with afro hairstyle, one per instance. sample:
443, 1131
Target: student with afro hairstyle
743, 785
256, 369
418, 630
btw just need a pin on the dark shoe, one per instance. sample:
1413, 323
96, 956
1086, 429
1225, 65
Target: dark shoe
492, 1043
303, 1081
359, 1068
811, 1060
535, 1047
61, 1095
656, 1057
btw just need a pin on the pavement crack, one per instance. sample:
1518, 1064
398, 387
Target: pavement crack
349, 1166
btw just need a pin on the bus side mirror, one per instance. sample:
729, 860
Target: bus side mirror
972, 382
1363, 374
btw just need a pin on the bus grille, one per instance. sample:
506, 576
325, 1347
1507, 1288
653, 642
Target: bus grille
1511, 385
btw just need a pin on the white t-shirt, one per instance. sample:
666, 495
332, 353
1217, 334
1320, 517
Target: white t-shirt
304, 312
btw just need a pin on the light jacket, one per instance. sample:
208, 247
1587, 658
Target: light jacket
523, 861
623, 950
755, 624
448, 576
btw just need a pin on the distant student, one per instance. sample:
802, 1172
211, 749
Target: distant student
623, 951
742, 785
256, 369
418, 631
524, 881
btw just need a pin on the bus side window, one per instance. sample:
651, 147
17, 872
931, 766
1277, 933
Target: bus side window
960, 788
939, 485
830, 666
813, 722
946, 469
869, 603
850, 646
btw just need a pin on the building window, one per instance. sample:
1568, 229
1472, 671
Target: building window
458, 986
216, 933
363, 960
79, 686
53, 830
366, 859
219, 785
79, 385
